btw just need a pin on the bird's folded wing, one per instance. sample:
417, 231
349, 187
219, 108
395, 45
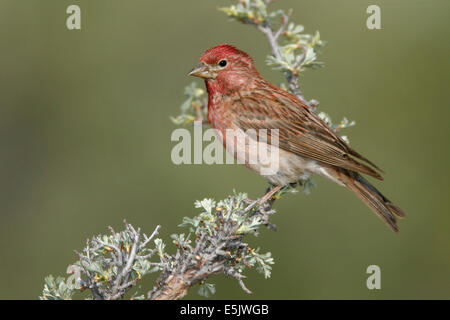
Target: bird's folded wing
300, 130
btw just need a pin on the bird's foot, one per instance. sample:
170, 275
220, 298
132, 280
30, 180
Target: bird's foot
268, 196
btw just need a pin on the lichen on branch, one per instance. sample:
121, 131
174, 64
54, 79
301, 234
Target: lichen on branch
111, 265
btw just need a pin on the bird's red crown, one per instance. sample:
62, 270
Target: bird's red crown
222, 51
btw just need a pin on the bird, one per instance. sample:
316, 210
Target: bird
240, 100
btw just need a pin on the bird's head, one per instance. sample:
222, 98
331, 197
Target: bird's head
225, 64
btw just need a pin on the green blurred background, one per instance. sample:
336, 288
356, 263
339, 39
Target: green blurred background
85, 141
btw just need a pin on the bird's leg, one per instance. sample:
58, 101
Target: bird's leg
269, 194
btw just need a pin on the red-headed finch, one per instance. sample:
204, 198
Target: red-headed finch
241, 101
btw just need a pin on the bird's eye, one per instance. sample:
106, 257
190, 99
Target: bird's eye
222, 63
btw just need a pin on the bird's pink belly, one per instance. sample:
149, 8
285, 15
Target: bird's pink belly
278, 166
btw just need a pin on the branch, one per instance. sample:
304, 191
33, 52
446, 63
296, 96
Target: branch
217, 250
108, 267
112, 265
291, 78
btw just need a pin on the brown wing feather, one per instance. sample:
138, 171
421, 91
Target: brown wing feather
301, 131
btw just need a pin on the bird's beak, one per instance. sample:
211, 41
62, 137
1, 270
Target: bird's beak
201, 70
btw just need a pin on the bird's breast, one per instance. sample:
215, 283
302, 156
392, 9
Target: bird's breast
219, 114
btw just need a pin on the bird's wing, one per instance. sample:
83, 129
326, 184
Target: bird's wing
300, 130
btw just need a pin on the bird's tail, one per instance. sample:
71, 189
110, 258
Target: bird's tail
379, 204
